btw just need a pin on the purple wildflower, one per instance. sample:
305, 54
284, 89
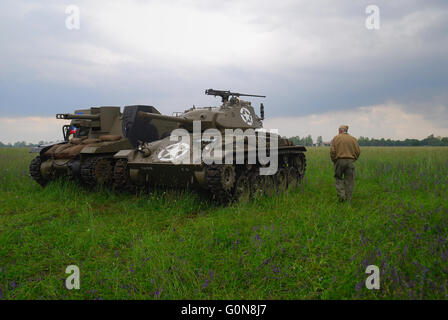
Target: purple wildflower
378, 252
266, 261
206, 282
444, 255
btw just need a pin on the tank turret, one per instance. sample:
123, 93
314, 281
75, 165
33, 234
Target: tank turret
234, 113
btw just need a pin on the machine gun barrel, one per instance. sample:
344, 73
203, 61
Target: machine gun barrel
157, 116
71, 116
226, 94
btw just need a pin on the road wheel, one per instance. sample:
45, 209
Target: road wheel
220, 181
293, 178
242, 190
256, 185
300, 164
270, 185
282, 180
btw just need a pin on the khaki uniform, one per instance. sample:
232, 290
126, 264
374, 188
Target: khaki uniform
344, 151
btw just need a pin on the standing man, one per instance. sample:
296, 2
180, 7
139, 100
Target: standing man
344, 151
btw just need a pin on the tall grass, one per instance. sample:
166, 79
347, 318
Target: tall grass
173, 245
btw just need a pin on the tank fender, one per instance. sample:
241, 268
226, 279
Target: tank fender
124, 154
44, 148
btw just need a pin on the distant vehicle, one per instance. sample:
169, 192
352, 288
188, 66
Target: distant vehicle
90, 140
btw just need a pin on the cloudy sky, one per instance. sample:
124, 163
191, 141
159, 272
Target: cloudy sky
315, 60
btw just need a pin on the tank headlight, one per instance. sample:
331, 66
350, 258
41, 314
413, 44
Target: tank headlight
146, 152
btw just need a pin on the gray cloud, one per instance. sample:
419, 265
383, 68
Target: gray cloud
308, 57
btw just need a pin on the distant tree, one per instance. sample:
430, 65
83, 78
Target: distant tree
444, 141
19, 144
309, 140
295, 140
319, 140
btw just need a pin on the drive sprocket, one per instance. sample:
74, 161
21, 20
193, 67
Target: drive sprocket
122, 181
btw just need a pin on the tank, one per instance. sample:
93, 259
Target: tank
190, 156
90, 140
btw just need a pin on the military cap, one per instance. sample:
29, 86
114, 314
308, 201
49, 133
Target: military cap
343, 127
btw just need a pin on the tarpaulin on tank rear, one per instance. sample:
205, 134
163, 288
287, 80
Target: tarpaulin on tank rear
136, 128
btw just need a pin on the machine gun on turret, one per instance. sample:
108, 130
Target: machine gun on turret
226, 94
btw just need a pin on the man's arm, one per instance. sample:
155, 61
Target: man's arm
357, 150
332, 151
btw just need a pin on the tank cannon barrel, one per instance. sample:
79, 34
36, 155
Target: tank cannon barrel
71, 116
157, 116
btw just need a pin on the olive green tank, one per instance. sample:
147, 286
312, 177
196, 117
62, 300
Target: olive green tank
90, 140
221, 150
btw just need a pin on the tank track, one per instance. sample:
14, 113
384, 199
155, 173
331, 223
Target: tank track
121, 178
35, 171
90, 168
267, 185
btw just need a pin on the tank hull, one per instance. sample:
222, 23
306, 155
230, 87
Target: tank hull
172, 164
71, 161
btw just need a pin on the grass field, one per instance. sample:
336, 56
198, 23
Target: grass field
300, 245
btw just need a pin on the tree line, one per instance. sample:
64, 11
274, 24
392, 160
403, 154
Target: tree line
428, 141
305, 141
365, 141
21, 144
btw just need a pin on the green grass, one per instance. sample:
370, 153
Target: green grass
300, 245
